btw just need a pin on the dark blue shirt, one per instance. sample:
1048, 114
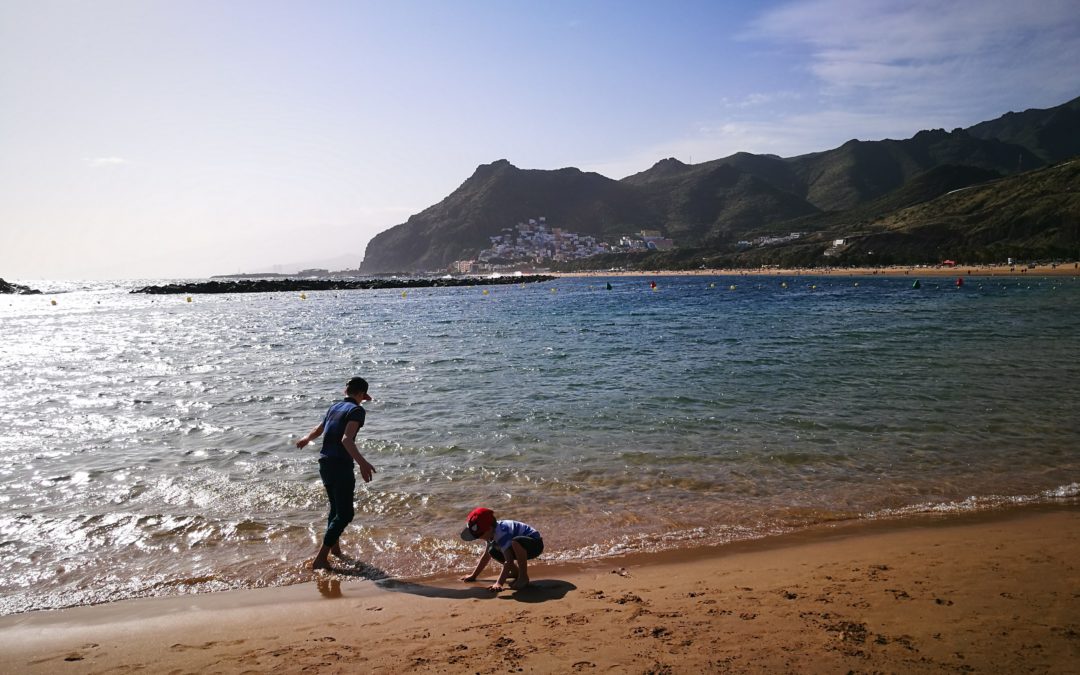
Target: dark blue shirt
339, 415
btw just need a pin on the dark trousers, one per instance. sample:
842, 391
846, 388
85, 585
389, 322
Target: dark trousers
340, 483
533, 548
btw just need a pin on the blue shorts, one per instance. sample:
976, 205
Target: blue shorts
533, 548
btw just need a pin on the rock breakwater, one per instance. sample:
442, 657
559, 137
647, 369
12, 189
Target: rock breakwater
278, 285
7, 287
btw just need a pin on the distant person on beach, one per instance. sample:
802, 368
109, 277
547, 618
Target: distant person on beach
511, 543
339, 451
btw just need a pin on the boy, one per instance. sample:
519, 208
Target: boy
339, 451
510, 542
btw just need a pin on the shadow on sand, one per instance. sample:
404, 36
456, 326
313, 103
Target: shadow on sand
537, 591
541, 590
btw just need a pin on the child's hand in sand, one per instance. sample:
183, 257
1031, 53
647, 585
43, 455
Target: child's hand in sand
495, 587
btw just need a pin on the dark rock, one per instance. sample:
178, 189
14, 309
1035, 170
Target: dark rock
294, 285
6, 287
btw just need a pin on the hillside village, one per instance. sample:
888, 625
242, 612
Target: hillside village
535, 244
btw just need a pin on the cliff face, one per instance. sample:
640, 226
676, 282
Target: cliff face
721, 201
499, 195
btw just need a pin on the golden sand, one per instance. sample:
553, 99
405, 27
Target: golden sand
996, 593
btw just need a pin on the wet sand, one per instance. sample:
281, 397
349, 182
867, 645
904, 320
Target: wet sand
995, 592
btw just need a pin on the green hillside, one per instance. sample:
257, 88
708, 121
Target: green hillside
848, 192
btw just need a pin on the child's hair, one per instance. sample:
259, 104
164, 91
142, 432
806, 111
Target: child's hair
357, 385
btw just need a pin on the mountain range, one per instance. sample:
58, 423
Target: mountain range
999, 188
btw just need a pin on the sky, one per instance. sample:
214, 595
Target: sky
164, 139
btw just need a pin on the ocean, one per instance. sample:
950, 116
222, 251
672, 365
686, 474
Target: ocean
147, 442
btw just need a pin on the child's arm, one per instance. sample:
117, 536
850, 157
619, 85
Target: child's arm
349, 441
312, 435
480, 565
506, 569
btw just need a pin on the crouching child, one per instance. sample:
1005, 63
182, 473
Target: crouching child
509, 542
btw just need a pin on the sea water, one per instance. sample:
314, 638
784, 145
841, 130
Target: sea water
147, 442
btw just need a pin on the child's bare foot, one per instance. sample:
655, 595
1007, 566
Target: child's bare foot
321, 564
519, 583
468, 579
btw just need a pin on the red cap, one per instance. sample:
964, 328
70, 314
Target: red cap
480, 520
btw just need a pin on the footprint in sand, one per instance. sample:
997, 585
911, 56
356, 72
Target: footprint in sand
207, 645
76, 656
656, 631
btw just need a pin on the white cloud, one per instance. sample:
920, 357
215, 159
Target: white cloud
961, 55
877, 69
105, 161
761, 99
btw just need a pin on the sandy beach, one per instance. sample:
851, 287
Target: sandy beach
1018, 271
991, 592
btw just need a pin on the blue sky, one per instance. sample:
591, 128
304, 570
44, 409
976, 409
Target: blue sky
182, 139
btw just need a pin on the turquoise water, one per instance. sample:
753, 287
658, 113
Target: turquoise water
146, 442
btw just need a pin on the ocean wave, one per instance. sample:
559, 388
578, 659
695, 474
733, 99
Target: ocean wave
1064, 493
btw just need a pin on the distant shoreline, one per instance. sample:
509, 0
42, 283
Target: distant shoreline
1070, 269
290, 284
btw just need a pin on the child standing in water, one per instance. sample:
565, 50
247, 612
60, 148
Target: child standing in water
339, 451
